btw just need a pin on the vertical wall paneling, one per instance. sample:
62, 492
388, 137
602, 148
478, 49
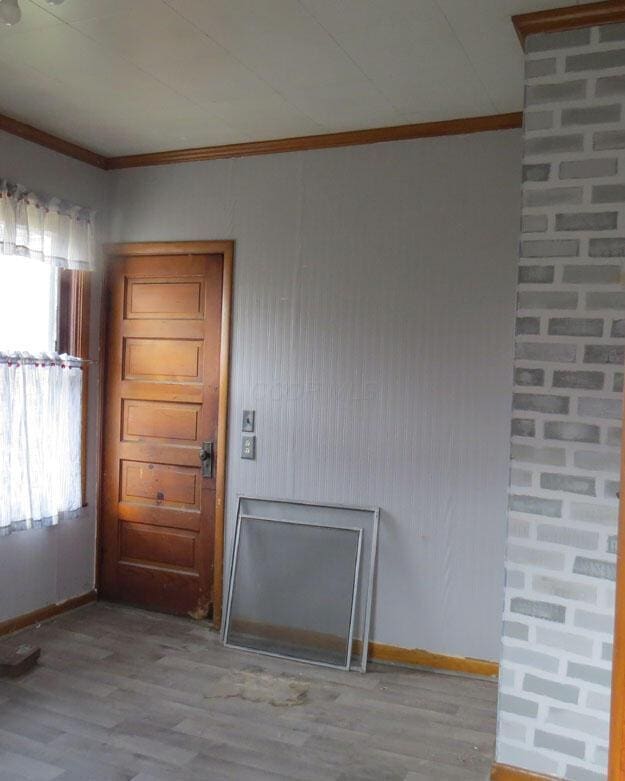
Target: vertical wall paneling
372, 323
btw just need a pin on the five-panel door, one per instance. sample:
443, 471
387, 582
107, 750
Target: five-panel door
161, 406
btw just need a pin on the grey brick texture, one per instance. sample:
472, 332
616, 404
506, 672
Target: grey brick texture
609, 139
563, 745
534, 223
529, 376
542, 610
552, 456
572, 432
549, 353
522, 427
535, 68
600, 353
541, 403
516, 629
547, 42
583, 221
608, 86
608, 193
551, 690
567, 408
558, 91
612, 32
618, 328
530, 326
607, 248
568, 536
595, 274
589, 168
551, 508
567, 483
536, 173
577, 379
600, 408
594, 568
591, 116
550, 248
575, 326
539, 120
538, 275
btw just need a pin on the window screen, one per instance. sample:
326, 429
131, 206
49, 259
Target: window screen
293, 590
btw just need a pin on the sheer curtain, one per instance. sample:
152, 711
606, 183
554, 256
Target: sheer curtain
40, 395
40, 418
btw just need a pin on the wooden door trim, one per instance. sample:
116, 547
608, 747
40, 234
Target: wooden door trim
617, 723
226, 249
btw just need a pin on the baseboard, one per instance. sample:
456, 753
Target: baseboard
44, 613
508, 773
380, 652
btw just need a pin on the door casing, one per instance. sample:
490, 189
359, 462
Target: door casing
145, 249
616, 770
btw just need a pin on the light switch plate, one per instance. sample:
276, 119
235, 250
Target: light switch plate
249, 416
248, 447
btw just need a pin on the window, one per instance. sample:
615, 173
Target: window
43, 311
47, 249
28, 306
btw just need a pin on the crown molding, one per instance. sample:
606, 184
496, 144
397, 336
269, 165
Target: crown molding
324, 141
568, 18
30, 133
450, 127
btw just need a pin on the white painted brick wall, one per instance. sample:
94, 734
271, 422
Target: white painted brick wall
569, 349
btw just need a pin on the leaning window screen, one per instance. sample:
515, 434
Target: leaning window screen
293, 590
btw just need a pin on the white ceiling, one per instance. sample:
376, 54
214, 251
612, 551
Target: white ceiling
131, 76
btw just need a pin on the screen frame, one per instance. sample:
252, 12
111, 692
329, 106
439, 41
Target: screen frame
232, 578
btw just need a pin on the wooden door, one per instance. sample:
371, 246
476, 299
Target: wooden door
162, 402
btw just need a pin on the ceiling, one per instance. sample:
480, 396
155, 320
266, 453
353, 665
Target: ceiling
135, 76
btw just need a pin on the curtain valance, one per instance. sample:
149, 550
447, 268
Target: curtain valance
45, 228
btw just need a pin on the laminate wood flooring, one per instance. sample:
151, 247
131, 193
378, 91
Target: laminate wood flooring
122, 694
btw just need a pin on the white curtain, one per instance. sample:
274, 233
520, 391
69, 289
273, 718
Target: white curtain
40, 440
47, 229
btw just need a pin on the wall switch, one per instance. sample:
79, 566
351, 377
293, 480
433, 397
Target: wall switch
248, 447
249, 416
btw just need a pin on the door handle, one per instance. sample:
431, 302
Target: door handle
207, 458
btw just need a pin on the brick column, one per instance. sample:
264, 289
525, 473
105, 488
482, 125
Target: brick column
568, 380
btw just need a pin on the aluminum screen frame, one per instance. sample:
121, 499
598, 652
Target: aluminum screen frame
232, 580
365, 518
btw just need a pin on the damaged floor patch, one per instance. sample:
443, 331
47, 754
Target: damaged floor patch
276, 690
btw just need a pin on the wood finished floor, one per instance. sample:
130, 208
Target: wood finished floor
126, 695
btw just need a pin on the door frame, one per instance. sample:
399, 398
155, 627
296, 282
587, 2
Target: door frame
146, 249
617, 719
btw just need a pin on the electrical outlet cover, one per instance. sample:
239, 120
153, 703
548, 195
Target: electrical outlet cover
248, 448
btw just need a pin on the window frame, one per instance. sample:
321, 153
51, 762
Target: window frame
74, 295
